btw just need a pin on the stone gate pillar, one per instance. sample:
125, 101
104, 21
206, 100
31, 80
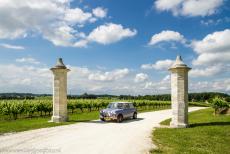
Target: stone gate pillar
179, 93
59, 92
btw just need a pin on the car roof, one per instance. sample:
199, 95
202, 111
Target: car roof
121, 102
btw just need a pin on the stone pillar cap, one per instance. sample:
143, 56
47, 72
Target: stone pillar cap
59, 64
179, 63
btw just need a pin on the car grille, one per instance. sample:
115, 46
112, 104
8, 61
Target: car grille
105, 114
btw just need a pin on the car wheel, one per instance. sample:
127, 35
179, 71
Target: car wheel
134, 115
102, 119
119, 118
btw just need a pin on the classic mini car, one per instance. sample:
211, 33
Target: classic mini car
118, 111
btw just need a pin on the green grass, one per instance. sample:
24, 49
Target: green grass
208, 134
9, 126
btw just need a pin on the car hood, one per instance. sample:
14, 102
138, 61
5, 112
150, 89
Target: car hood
111, 110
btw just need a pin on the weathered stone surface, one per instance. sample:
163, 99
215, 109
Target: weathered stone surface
179, 94
60, 92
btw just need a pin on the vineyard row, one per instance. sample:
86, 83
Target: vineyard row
13, 109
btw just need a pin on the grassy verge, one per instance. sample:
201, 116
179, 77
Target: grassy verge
8, 126
208, 134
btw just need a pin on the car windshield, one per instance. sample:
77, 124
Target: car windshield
115, 106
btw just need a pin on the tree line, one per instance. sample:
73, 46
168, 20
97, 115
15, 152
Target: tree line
193, 97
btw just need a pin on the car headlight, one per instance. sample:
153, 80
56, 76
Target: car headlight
113, 113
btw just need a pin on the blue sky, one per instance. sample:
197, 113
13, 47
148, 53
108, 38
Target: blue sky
114, 47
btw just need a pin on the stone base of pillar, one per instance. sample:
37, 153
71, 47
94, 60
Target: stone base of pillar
178, 125
59, 119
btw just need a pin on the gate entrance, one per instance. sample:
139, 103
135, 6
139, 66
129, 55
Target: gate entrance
179, 93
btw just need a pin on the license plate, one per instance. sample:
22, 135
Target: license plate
107, 118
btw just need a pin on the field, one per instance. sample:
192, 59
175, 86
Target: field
20, 115
208, 134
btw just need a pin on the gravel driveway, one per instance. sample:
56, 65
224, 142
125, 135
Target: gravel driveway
94, 137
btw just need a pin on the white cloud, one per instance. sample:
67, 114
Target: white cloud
109, 76
200, 7
53, 19
28, 16
167, 36
25, 79
141, 77
146, 66
77, 71
100, 12
213, 49
166, 5
159, 65
27, 60
213, 54
58, 22
209, 22
217, 41
212, 58
189, 7
110, 33
10, 46
81, 43
206, 72
162, 86
77, 15
60, 36
219, 85
166, 78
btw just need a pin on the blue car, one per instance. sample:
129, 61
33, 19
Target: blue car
118, 111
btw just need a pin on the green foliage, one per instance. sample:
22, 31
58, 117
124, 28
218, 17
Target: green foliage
220, 105
30, 108
16, 108
6, 108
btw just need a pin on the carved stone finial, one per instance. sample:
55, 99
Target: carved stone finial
179, 64
60, 64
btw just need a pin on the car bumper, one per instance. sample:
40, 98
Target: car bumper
107, 118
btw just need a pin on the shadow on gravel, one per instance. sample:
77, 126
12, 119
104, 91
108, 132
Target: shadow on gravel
105, 122
132, 120
210, 124
79, 120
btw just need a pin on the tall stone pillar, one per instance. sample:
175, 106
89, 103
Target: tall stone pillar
59, 92
179, 93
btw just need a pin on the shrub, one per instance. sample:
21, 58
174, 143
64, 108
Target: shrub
219, 105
